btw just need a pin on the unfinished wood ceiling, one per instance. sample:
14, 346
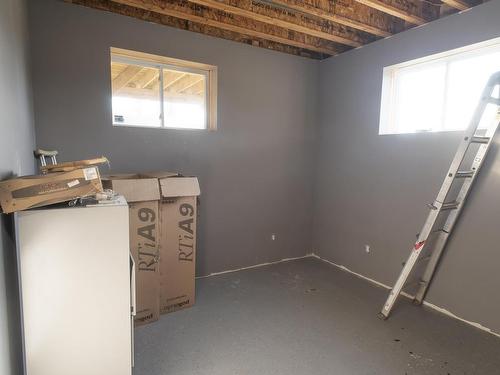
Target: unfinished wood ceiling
311, 28
143, 82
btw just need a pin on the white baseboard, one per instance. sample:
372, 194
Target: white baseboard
254, 266
378, 283
425, 303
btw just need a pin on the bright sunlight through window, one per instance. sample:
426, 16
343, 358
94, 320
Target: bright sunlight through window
439, 92
159, 92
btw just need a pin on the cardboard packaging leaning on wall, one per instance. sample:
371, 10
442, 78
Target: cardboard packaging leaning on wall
178, 214
34, 191
142, 195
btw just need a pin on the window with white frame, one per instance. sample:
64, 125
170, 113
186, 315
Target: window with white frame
439, 92
160, 92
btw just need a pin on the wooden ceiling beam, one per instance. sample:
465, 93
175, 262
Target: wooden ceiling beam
274, 17
405, 13
168, 83
138, 93
193, 83
353, 20
182, 84
309, 28
125, 77
197, 89
149, 77
161, 19
181, 9
457, 4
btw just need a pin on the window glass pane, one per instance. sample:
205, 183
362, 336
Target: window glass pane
419, 98
466, 81
184, 99
136, 95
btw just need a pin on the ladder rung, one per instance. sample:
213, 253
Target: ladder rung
450, 205
480, 139
471, 136
464, 174
440, 230
414, 282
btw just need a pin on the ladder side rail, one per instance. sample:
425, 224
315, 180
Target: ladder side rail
463, 147
414, 255
452, 218
486, 98
432, 216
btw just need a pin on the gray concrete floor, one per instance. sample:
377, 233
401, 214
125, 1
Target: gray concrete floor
307, 317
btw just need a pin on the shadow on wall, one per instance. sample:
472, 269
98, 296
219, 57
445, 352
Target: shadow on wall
9, 261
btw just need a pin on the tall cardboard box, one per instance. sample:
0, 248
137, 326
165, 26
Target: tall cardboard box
178, 219
143, 196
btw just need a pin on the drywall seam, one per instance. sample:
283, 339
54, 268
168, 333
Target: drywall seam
425, 303
255, 266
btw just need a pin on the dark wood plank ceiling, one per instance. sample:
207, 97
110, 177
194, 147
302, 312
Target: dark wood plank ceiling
311, 28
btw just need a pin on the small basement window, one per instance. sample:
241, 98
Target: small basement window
160, 92
438, 92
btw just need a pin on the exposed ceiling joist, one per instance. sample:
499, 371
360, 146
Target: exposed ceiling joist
352, 21
404, 13
125, 77
272, 16
457, 4
181, 10
132, 81
311, 28
153, 17
198, 89
149, 77
186, 82
155, 95
170, 81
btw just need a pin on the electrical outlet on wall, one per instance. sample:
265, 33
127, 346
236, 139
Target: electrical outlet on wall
367, 249
273, 237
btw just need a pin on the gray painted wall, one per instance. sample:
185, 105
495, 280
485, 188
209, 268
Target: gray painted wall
255, 171
16, 146
372, 189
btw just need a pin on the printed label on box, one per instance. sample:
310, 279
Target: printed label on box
90, 173
73, 183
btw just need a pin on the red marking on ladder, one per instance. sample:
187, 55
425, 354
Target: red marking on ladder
418, 245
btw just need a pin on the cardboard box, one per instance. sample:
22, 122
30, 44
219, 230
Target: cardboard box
178, 213
34, 191
142, 195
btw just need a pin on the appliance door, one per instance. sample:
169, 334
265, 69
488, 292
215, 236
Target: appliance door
133, 304
75, 285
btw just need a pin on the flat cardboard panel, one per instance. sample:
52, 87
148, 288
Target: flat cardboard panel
158, 174
144, 240
120, 176
177, 253
179, 187
133, 189
34, 191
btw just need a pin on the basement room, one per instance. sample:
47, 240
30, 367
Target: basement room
249, 187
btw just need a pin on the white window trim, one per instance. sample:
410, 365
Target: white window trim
387, 124
160, 62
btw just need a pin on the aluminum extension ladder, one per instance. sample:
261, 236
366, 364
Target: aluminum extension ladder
432, 238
